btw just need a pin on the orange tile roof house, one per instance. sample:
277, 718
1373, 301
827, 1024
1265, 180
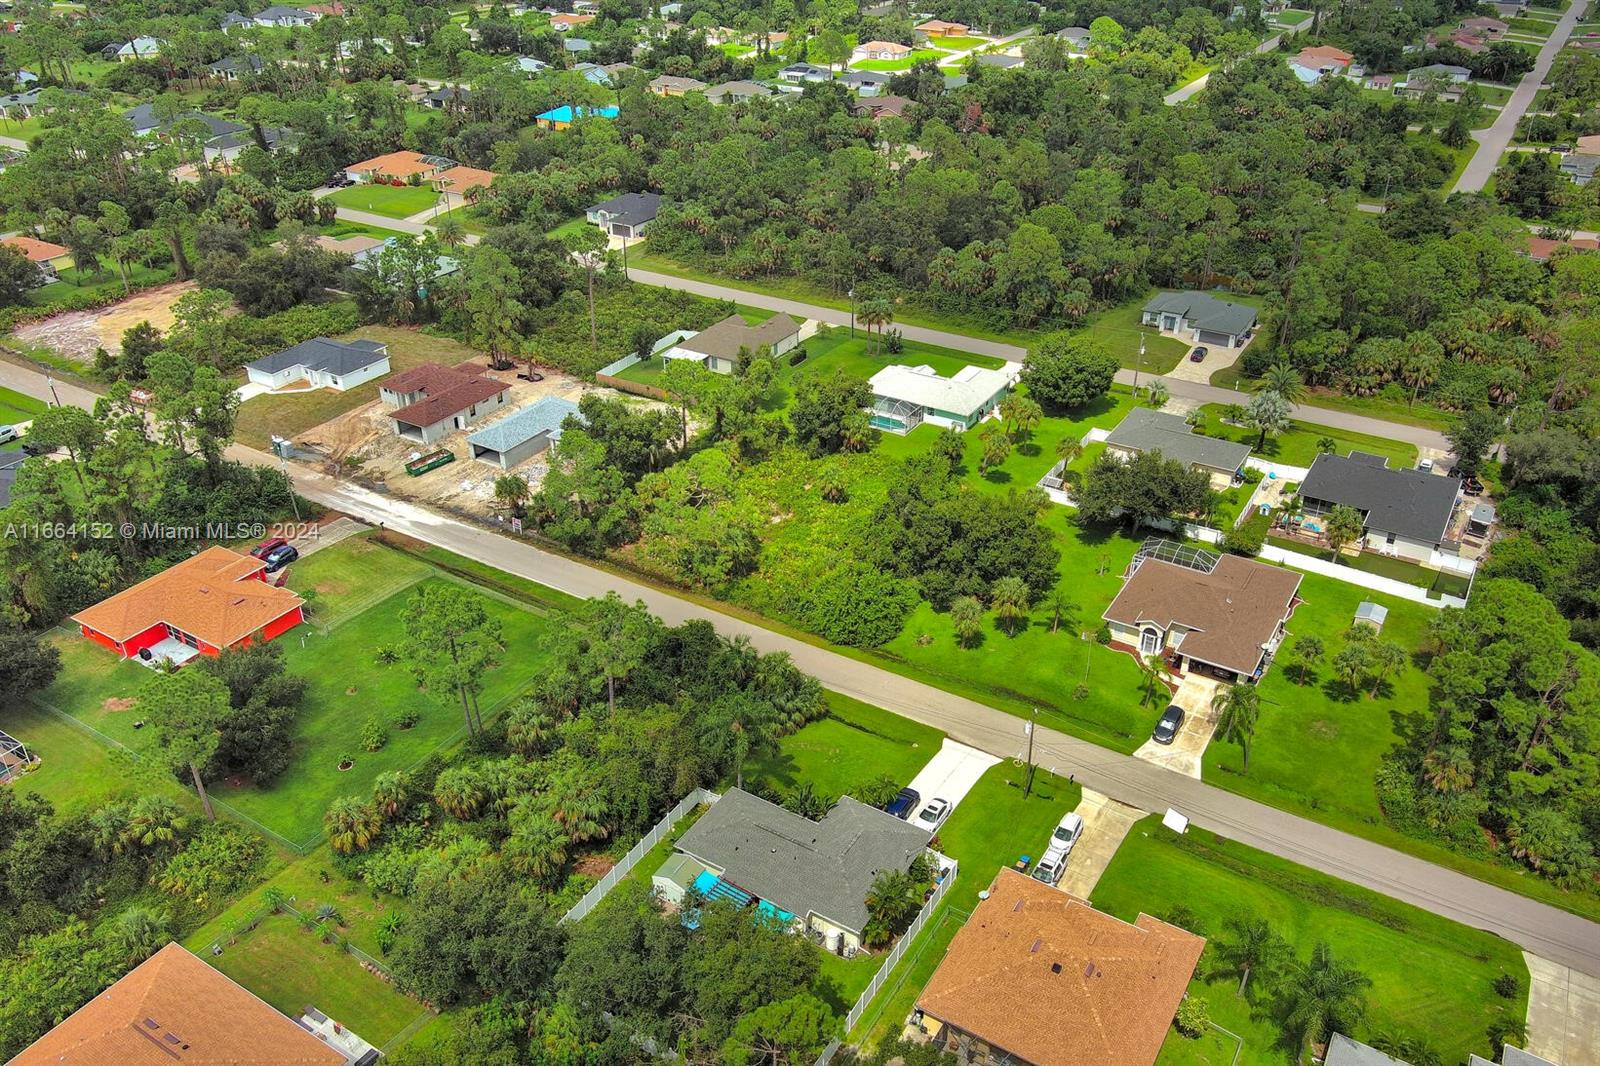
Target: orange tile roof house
213, 600
48, 257
398, 165
567, 22
880, 50
941, 28
1324, 59
1037, 976
175, 1010
459, 179
431, 401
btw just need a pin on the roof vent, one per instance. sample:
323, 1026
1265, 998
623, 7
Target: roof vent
1017, 908
203, 588
1036, 942
1055, 967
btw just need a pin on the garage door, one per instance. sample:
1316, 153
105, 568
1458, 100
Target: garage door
1223, 340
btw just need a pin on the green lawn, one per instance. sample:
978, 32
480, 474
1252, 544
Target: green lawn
352, 576
292, 969
572, 225
22, 129
1431, 978
388, 200
1438, 582
959, 44
19, 407
76, 772
905, 63
854, 745
1298, 445
1291, 17
473, 218
76, 284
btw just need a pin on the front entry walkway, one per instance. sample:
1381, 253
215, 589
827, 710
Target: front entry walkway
1105, 823
1563, 1013
1187, 749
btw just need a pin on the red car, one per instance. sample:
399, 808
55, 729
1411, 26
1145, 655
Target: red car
260, 551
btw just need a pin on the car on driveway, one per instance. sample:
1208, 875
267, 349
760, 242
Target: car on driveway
1050, 868
904, 803
280, 557
1066, 834
1199, 355
9, 434
933, 815
1171, 721
267, 547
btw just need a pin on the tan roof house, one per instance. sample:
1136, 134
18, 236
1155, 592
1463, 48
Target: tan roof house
398, 165
1039, 977
941, 28
717, 347
880, 50
672, 85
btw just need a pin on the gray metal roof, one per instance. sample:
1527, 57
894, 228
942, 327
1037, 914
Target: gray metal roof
545, 416
1408, 503
631, 208
804, 867
1145, 430
1342, 1051
323, 353
1204, 311
1376, 613
1513, 1056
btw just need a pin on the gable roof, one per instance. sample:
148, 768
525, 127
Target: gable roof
174, 1008
545, 416
1407, 503
237, 64
143, 117
724, 339
1044, 976
997, 59
962, 393
446, 391
324, 353
1148, 430
1230, 612
631, 208
1204, 311
1342, 1051
804, 867
211, 595
738, 88
672, 82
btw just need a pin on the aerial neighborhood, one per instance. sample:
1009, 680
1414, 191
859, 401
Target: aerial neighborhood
752, 533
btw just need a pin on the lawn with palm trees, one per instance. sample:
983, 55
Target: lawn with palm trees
1293, 954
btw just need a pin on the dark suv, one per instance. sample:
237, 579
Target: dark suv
904, 803
1171, 721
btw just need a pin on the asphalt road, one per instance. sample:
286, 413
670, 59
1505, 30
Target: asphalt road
1543, 930
1492, 142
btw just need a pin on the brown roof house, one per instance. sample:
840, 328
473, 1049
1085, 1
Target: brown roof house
717, 347
429, 402
175, 1009
1221, 615
1037, 976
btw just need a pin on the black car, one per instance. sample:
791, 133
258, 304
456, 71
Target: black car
904, 803
280, 557
1167, 728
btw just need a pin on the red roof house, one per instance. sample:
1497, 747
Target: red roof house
431, 401
214, 600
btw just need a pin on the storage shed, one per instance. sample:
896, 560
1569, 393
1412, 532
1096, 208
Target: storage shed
520, 436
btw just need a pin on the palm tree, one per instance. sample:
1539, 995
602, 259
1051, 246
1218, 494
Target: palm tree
1154, 668
1253, 947
137, 932
352, 825
1324, 995
1068, 449
1350, 664
537, 847
154, 822
1326, 446
450, 231
512, 491
528, 729
1010, 597
1022, 413
1236, 709
460, 792
1342, 525
1061, 606
1448, 769
1385, 657
1307, 652
390, 792
1284, 380
1158, 394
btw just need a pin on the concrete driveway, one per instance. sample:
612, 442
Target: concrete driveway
1105, 823
1184, 753
1563, 1013
951, 773
1216, 359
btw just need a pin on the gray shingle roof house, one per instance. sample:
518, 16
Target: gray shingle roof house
1146, 430
521, 435
576, 44
1207, 319
717, 346
1580, 167
1396, 506
737, 92
865, 82
281, 15
795, 73
439, 98
818, 871
144, 121
233, 21
996, 59
325, 362
231, 68
1511, 1056
627, 215
1342, 1051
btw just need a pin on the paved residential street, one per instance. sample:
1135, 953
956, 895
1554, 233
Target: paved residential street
1493, 141
1185, 92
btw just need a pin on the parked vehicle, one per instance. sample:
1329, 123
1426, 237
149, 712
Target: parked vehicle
9, 434
1050, 868
1199, 355
1425, 465
904, 803
1167, 729
1066, 834
29, 447
933, 815
267, 547
280, 557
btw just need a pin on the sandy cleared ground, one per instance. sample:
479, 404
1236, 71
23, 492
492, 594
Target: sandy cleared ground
76, 334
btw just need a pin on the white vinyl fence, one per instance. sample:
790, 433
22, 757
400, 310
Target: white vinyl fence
592, 898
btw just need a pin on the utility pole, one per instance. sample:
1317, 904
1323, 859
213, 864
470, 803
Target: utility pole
1138, 366
1029, 728
852, 295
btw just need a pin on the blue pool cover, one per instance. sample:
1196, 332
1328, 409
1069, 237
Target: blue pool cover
710, 886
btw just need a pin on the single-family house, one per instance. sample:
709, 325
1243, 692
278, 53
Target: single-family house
879, 50
1485, 28
560, 118
283, 17
955, 81
1579, 166
672, 85
737, 92
1511, 1056
352, 246
1221, 615
216, 599
563, 22
1540, 249
234, 21
229, 145
1405, 513
1000, 61
881, 105
628, 215
866, 82
450, 95
459, 181
1342, 1051
232, 68
717, 347
176, 1008
333, 10
609, 74
50, 259
813, 875
520, 436
1146, 430
138, 48
1038, 977
1201, 318
371, 257
904, 397
323, 362
17, 106
804, 74
1444, 80
941, 28
1076, 38
398, 166
573, 45
1324, 59
431, 401
145, 123
529, 65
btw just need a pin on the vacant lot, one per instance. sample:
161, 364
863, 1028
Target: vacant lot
1431, 978
388, 200
856, 744
76, 334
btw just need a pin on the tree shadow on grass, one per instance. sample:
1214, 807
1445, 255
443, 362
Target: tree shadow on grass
998, 476
1028, 447
778, 771
1340, 691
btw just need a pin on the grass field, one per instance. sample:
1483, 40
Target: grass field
1431, 978
931, 55
292, 413
76, 284
19, 407
854, 745
76, 772
1298, 445
390, 201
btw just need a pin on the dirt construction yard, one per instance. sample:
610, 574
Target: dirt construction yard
76, 334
